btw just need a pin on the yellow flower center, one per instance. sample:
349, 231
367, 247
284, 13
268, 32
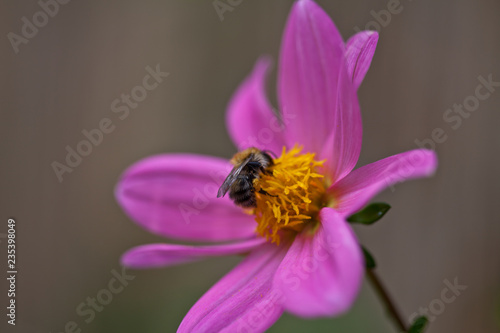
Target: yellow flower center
289, 194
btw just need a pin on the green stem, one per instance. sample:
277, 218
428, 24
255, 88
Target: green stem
389, 304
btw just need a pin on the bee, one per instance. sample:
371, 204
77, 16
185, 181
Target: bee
248, 165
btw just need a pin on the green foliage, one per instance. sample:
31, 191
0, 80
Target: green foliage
370, 214
369, 260
418, 325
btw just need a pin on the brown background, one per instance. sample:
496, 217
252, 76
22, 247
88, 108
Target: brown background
71, 234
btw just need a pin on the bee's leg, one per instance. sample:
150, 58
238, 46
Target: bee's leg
261, 191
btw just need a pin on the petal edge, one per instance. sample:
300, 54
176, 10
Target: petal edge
360, 49
175, 195
242, 301
163, 255
250, 119
322, 275
355, 190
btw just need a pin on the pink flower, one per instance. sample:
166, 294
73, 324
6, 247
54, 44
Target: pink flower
317, 267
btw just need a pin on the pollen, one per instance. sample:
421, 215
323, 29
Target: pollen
289, 194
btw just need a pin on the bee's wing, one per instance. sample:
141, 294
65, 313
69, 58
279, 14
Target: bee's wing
231, 178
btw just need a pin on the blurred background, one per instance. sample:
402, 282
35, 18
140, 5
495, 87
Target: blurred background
65, 76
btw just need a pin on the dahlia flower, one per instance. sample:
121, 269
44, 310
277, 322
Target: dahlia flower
301, 255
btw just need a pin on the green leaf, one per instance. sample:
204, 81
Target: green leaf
370, 214
369, 261
418, 325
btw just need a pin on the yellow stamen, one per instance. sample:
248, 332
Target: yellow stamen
293, 194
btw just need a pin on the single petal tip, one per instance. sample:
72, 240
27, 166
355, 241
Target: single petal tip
305, 5
424, 158
262, 66
125, 260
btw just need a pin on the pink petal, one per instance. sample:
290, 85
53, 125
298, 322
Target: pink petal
315, 89
161, 255
250, 118
359, 53
243, 300
176, 196
354, 191
322, 273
